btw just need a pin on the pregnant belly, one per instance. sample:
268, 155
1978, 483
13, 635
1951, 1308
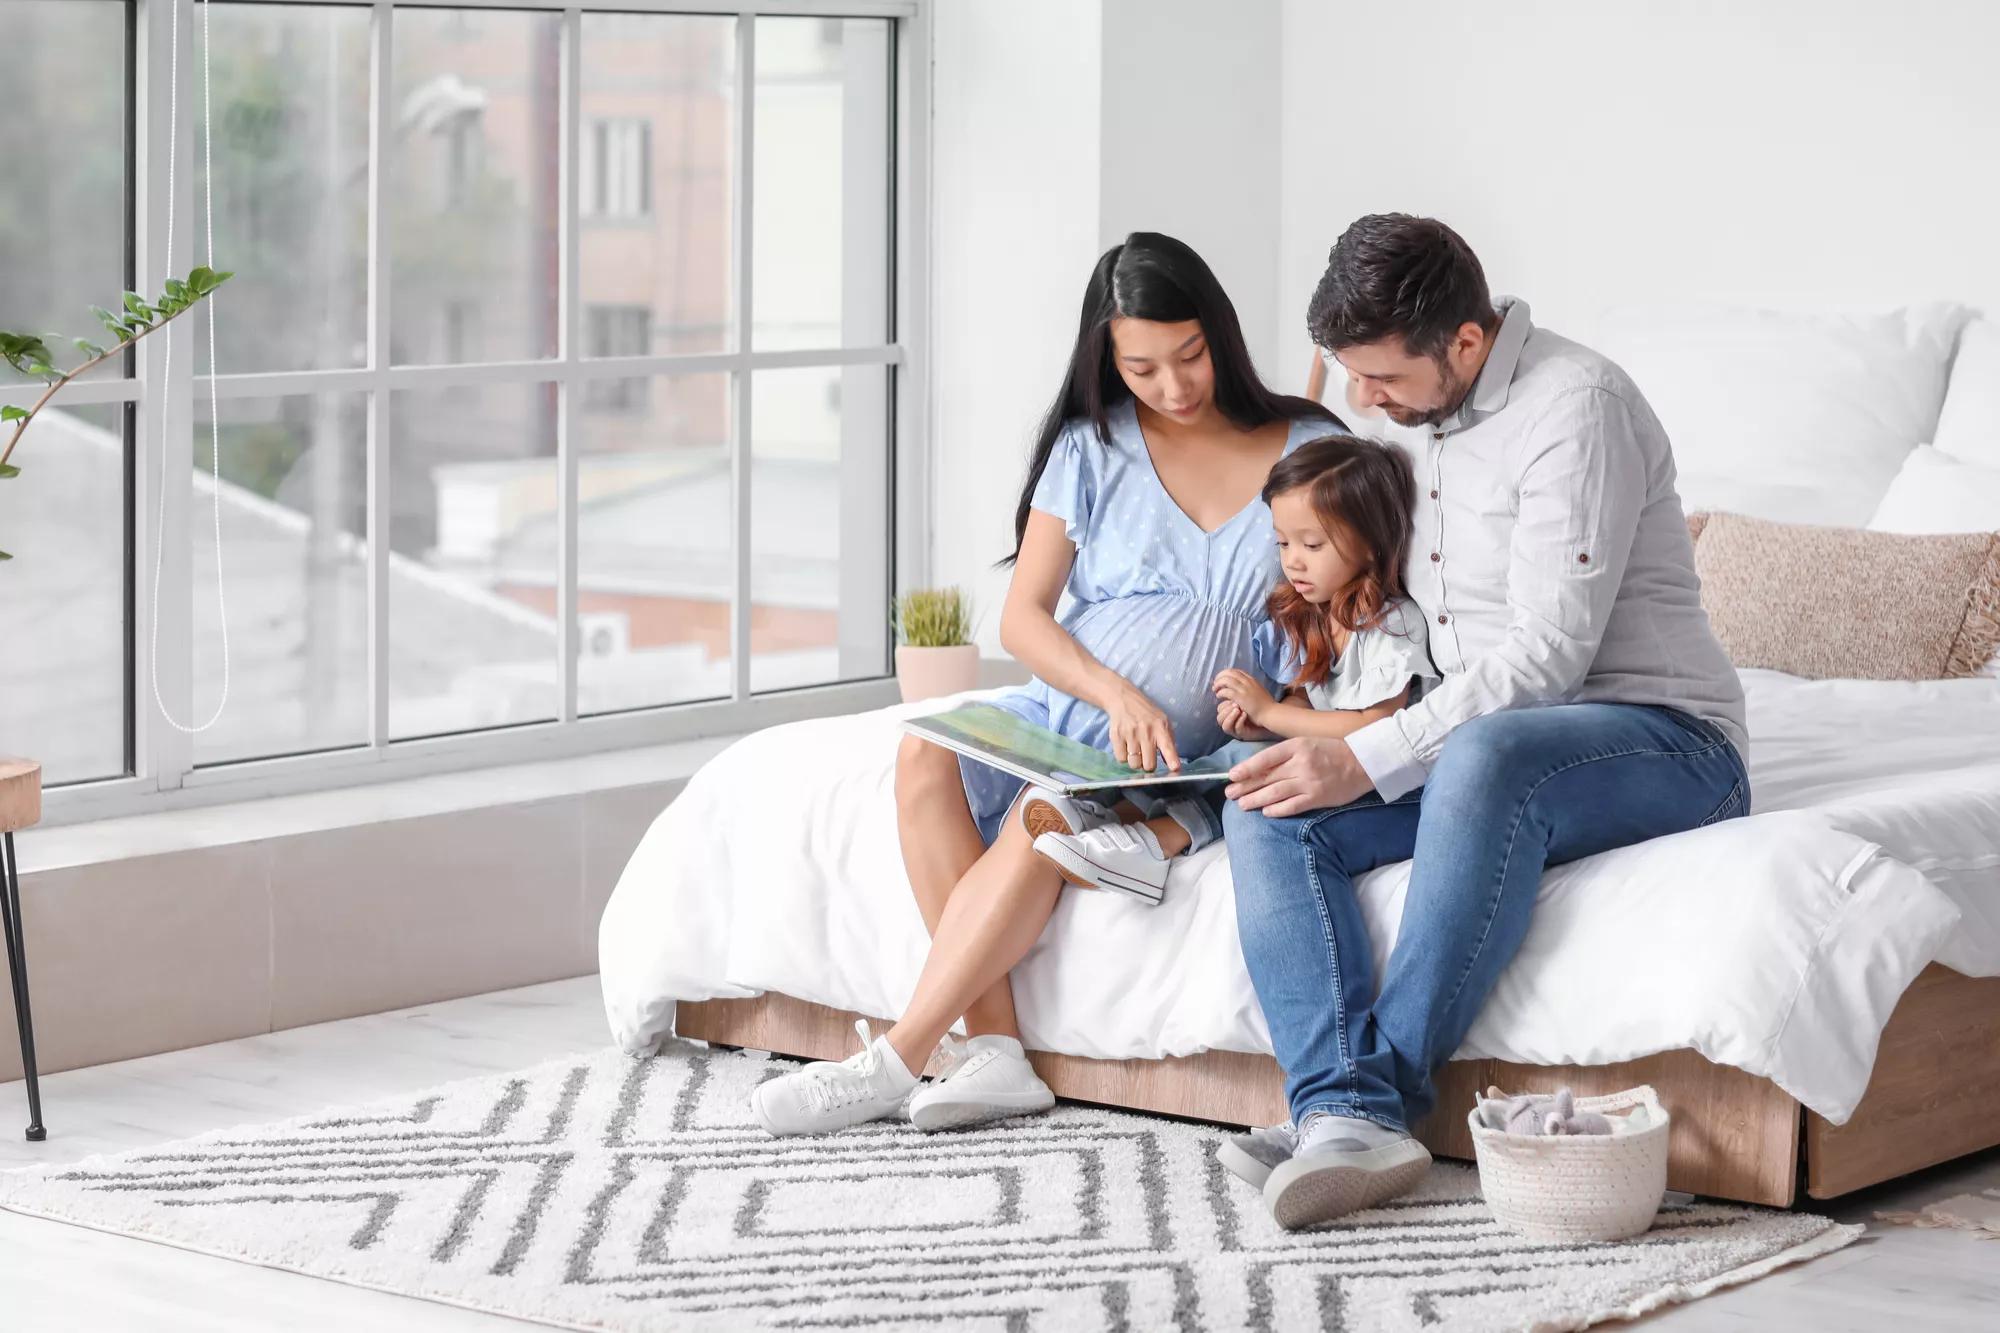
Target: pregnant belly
1169, 648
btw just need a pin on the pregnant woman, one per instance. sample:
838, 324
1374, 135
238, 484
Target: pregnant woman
1142, 500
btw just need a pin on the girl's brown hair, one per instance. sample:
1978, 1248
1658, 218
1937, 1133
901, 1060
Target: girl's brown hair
1362, 493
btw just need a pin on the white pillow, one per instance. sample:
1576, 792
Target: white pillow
1801, 418
1969, 425
1937, 493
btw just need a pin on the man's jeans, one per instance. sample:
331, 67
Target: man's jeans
1511, 793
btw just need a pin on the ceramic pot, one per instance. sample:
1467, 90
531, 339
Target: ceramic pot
928, 673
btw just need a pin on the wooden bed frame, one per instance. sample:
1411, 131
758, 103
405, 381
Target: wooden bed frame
1934, 1094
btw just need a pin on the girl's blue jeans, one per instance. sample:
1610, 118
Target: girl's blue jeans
1196, 807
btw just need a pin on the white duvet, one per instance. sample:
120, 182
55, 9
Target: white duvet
1778, 943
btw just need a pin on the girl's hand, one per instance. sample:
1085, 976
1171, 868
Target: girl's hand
1231, 718
1240, 688
1139, 731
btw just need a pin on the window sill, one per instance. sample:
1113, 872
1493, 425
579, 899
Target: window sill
114, 839
77, 839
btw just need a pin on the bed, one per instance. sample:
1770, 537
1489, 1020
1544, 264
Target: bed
1749, 969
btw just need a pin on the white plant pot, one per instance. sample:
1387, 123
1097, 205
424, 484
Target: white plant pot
929, 673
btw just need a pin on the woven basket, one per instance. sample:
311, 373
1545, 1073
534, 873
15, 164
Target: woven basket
1579, 1187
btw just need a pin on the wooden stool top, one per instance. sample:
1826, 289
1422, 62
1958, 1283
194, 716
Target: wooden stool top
20, 793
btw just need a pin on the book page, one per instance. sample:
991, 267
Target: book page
998, 737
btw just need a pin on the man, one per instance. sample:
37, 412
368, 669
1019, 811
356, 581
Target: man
1585, 705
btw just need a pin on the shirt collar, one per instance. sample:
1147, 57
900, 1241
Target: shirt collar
1496, 377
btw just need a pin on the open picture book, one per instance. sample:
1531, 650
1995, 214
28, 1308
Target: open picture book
997, 737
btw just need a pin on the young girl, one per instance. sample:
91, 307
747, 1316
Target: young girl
1341, 637
1349, 644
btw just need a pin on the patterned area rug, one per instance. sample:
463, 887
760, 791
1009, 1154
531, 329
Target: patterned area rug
608, 1192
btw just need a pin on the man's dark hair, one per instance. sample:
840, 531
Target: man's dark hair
1391, 274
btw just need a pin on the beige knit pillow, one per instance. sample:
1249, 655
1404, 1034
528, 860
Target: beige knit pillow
1829, 603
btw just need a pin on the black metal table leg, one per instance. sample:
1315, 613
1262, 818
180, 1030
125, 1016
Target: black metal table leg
17, 973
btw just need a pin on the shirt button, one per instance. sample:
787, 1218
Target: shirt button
1435, 557
1580, 559
1442, 619
1434, 495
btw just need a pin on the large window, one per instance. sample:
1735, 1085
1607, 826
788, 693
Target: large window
554, 401
65, 231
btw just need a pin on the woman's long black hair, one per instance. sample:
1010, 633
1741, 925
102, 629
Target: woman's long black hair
1153, 277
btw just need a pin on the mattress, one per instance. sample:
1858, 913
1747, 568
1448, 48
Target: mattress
1913, 767
1778, 943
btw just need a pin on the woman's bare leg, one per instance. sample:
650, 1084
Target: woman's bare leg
991, 920
941, 849
941, 844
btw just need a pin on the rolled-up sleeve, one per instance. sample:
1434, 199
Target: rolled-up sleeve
1582, 487
1273, 657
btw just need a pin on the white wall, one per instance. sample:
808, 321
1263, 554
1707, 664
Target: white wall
1190, 141
1796, 152
1015, 230
1062, 125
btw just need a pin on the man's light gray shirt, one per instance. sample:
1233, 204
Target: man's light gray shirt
1550, 557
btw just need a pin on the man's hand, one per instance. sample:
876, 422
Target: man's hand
1294, 776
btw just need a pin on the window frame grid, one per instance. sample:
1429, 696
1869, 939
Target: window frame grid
165, 775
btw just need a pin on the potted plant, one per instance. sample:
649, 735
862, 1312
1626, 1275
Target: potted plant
29, 353
935, 654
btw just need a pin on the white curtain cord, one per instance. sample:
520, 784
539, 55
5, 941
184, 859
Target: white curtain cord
166, 373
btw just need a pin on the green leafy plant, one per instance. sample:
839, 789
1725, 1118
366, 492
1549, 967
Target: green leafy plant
933, 618
29, 354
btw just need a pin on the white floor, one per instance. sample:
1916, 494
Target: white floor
56, 1278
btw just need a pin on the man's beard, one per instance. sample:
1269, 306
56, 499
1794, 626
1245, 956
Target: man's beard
1452, 392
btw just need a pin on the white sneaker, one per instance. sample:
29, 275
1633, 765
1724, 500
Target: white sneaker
1110, 857
828, 1094
1045, 811
985, 1078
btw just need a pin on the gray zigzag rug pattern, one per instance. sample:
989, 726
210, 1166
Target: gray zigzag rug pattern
605, 1191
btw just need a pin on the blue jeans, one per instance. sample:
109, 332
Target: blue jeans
1511, 794
1196, 807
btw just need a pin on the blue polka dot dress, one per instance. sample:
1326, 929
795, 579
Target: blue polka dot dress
1150, 595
